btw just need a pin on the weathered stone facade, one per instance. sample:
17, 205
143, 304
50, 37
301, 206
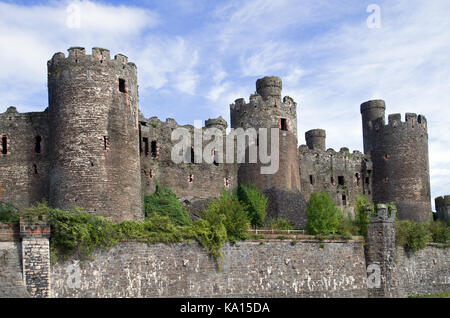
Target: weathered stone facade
249, 269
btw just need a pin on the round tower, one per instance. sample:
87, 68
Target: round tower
401, 167
315, 139
370, 111
267, 110
218, 123
269, 87
94, 143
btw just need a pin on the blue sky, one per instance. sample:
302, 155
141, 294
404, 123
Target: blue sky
195, 57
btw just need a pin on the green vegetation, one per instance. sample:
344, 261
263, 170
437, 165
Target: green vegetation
278, 224
362, 204
322, 214
445, 294
165, 203
256, 204
8, 213
229, 211
413, 236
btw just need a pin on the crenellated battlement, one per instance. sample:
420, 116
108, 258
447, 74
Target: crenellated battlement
77, 55
411, 121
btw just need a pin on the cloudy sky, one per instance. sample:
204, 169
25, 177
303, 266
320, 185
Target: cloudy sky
195, 57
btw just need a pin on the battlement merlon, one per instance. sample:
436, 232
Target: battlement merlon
77, 55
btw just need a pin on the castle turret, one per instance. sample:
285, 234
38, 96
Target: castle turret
269, 87
218, 123
94, 145
315, 139
399, 152
371, 111
443, 208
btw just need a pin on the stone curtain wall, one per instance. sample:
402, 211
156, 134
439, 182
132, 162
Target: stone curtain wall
11, 281
426, 272
249, 269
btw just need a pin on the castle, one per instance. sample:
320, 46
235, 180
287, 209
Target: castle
93, 148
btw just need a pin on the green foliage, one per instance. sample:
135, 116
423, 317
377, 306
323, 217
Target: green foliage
322, 214
232, 213
348, 227
8, 213
278, 224
362, 204
256, 204
77, 232
165, 203
411, 236
74, 231
440, 232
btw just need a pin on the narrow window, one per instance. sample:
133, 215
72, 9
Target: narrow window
192, 155
154, 147
35, 169
332, 181
216, 163
344, 199
191, 178
311, 179
284, 125
105, 142
357, 179
122, 87
226, 182
386, 180
37, 144
4, 145
145, 140
341, 180
150, 174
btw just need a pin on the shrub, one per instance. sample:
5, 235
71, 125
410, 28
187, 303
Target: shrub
278, 224
362, 204
165, 203
234, 215
440, 232
322, 214
411, 236
256, 204
348, 227
8, 213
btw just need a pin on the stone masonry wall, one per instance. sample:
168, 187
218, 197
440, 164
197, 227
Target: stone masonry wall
249, 269
424, 273
11, 280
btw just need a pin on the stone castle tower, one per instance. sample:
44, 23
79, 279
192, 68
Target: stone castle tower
267, 110
399, 153
94, 140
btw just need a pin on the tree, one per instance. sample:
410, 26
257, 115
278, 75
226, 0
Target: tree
165, 203
322, 214
362, 204
256, 204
